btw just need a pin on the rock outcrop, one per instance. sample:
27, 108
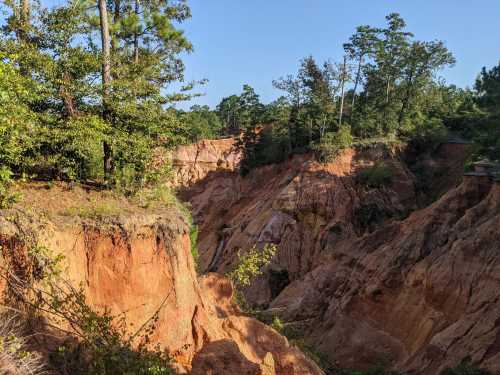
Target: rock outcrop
139, 264
423, 292
193, 163
367, 273
300, 205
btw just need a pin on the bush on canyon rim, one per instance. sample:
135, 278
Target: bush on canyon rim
377, 176
7, 198
333, 143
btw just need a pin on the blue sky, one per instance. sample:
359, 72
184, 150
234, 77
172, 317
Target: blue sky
256, 41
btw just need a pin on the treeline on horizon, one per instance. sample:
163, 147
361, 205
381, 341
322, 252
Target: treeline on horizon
86, 94
386, 90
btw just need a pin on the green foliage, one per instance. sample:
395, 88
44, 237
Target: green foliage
378, 176
428, 135
201, 123
486, 128
241, 113
251, 264
104, 345
332, 144
53, 123
262, 147
401, 98
7, 198
466, 367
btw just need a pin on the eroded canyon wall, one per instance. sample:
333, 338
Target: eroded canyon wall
367, 273
139, 264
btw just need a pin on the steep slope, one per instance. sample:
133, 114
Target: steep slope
138, 262
423, 292
365, 273
299, 205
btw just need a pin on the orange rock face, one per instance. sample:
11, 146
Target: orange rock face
141, 264
300, 205
193, 163
368, 273
422, 292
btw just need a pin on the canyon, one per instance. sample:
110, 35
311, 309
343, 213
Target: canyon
138, 263
406, 273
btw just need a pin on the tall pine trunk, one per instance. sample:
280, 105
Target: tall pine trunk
116, 19
136, 36
356, 83
106, 82
406, 100
24, 20
342, 93
25, 12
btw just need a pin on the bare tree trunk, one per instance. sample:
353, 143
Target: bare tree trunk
387, 89
106, 82
25, 12
356, 83
116, 18
67, 98
136, 36
406, 100
342, 92
24, 19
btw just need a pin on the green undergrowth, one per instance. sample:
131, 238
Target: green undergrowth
249, 267
7, 196
193, 233
378, 176
96, 210
466, 367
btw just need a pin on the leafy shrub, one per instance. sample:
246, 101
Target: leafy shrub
377, 176
103, 344
333, 143
249, 266
7, 198
428, 135
267, 146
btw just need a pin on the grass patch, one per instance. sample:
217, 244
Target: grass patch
96, 210
156, 197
